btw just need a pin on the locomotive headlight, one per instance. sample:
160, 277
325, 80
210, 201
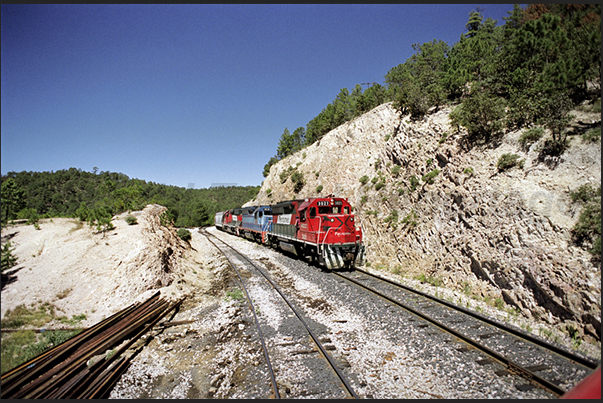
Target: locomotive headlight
352, 219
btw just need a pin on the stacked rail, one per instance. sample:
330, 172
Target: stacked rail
69, 371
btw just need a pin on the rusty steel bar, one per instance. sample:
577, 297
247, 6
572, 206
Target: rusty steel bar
96, 385
26, 372
63, 370
94, 374
91, 348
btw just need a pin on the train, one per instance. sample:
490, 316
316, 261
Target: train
321, 230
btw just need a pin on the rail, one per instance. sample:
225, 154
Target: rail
67, 370
319, 345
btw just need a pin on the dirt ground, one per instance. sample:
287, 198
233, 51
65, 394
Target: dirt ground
80, 271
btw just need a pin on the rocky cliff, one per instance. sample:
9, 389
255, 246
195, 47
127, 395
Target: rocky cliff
430, 206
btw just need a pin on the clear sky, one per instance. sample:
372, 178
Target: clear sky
192, 94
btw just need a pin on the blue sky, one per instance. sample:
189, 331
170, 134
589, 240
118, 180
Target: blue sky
192, 94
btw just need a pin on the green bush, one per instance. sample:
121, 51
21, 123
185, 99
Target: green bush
131, 220
364, 180
379, 185
592, 136
184, 234
414, 182
8, 260
298, 179
410, 219
597, 106
319, 189
286, 173
588, 228
392, 219
30, 214
531, 136
396, 170
428, 178
507, 161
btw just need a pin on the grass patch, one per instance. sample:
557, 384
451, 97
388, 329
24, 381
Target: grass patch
236, 295
507, 161
431, 280
23, 345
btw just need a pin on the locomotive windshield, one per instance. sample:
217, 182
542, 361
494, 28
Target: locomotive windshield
333, 210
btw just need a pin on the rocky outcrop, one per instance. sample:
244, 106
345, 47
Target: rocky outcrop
432, 206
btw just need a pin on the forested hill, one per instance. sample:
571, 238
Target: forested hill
531, 71
73, 192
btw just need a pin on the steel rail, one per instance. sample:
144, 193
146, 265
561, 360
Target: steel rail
65, 374
90, 348
530, 376
96, 386
516, 332
324, 352
252, 308
26, 372
124, 332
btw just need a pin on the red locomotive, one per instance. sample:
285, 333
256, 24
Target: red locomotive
321, 229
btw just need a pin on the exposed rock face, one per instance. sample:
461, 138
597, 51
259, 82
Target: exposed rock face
503, 234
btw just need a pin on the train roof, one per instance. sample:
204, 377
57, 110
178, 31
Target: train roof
285, 207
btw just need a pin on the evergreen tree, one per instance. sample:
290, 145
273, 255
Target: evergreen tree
474, 24
13, 199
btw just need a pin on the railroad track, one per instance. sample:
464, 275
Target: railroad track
540, 363
233, 254
73, 370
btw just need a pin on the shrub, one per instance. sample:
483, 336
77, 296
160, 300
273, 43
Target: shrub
468, 171
363, 199
30, 214
8, 260
592, 136
414, 182
298, 179
82, 212
286, 173
396, 170
392, 219
443, 139
364, 180
507, 161
184, 234
380, 184
428, 178
319, 189
431, 280
588, 227
597, 106
585, 193
530, 136
410, 219
131, 220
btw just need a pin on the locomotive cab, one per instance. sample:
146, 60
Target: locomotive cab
329, 223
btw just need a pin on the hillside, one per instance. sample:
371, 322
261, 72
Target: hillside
497, 235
